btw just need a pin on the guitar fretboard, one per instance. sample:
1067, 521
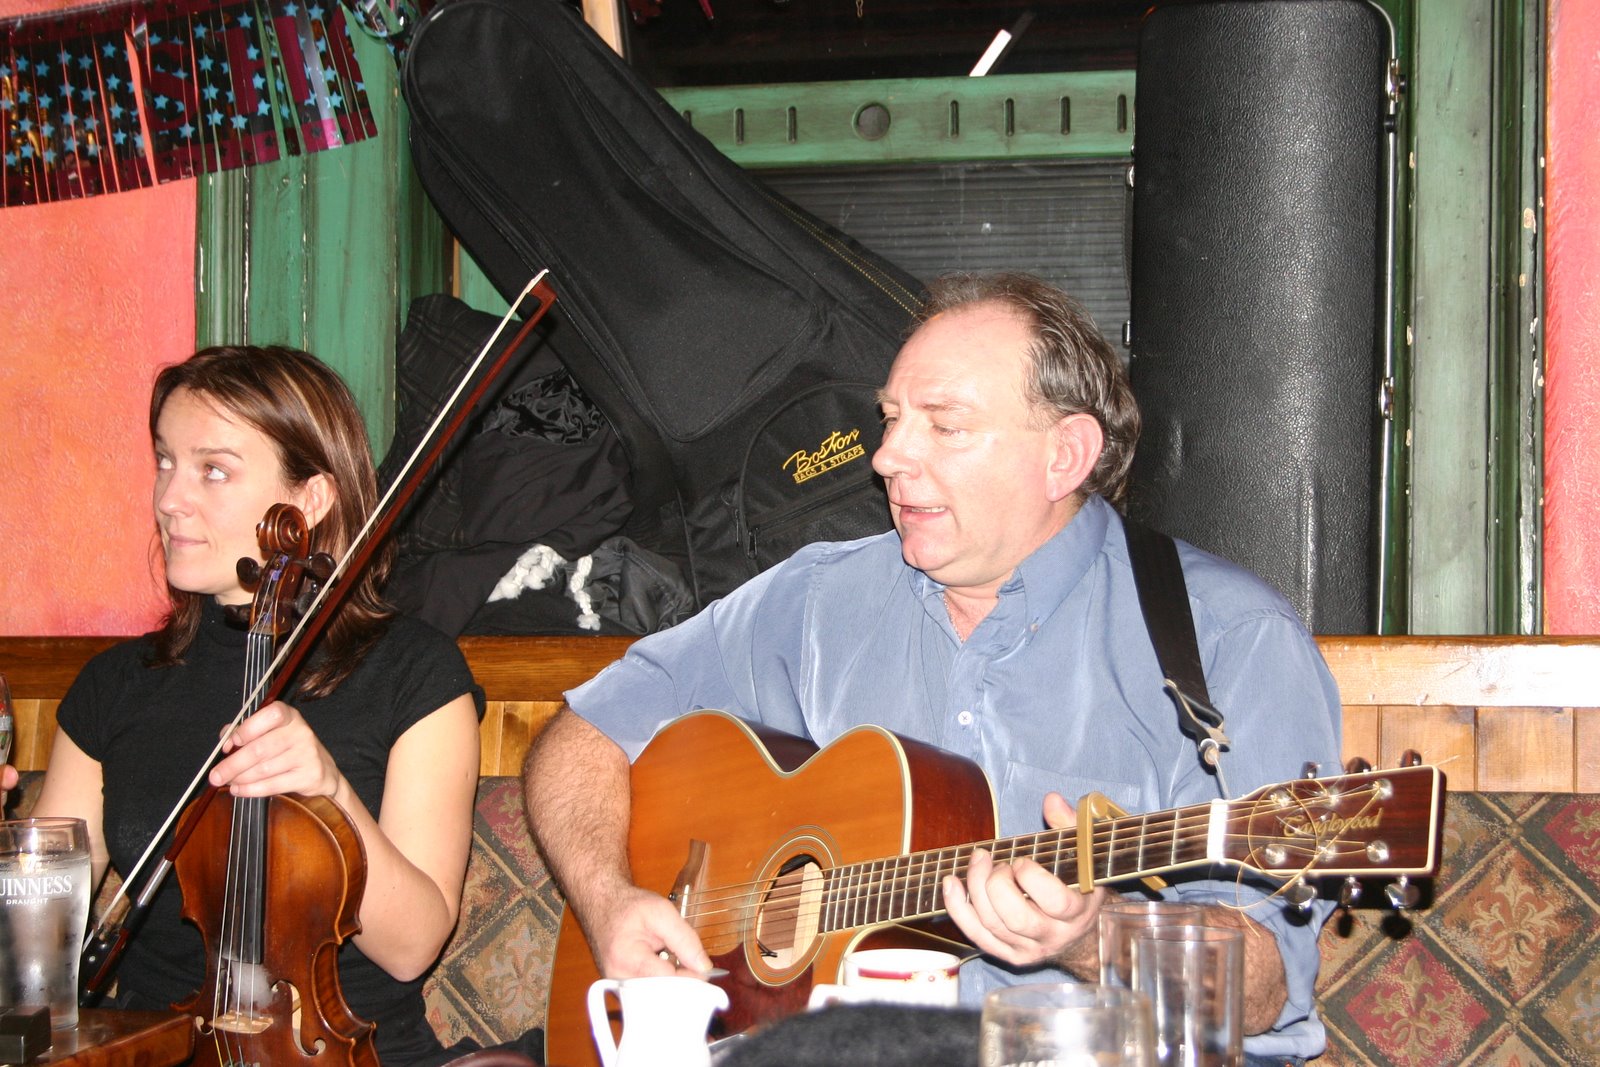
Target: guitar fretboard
907, 887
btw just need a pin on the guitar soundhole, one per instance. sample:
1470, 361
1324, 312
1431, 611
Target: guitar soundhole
787, 919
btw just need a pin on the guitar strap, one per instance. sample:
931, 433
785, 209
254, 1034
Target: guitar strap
1164, 601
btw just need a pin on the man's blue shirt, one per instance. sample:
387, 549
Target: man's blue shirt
1056, 689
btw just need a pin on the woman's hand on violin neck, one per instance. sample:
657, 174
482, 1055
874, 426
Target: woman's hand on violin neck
275, 751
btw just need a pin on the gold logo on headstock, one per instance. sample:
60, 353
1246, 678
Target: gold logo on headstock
837, 449
1333, 824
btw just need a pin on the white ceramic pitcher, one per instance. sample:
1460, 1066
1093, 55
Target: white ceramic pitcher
664, 1020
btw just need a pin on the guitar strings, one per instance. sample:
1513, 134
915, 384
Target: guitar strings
903, 869
859, 893
862, 903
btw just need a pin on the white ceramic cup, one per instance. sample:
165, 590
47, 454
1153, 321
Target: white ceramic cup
917, 976
664, 1020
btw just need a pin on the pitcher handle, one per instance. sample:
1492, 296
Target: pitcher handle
600, 1020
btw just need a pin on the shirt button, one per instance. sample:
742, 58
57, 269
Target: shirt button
965, 718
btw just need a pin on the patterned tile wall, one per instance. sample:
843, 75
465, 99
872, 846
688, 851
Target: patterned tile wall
1501, 968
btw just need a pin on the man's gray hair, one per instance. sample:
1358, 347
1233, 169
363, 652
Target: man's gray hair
1074, 370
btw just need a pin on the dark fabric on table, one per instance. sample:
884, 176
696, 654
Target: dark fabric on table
868, 1035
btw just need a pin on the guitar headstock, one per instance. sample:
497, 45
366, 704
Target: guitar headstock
1368, 824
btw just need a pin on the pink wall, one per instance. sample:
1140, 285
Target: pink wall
94, 294
1572, 323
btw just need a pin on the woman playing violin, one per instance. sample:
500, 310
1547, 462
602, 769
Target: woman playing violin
382, 718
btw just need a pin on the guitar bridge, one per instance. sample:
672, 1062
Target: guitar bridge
690, 876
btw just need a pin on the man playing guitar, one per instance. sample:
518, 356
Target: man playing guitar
999, 621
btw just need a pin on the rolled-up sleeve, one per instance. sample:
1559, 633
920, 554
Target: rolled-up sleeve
1282, 712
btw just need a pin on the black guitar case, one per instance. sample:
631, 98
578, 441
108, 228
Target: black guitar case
734, 342
1258, 306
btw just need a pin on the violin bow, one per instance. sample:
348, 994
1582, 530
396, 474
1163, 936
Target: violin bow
103, 945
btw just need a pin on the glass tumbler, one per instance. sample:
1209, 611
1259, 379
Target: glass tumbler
1066, 1024
44, 909
1194, 977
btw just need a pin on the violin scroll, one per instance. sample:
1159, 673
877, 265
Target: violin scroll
284, 537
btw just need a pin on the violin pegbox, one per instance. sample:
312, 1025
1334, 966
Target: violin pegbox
1363, 824
287, 584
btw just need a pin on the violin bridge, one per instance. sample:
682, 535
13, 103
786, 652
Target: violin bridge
241, 1022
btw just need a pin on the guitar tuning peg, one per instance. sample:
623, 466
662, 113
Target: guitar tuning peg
1350, 891
1410, 758
1300, 895
1356, 765
1401, 894
1309, 769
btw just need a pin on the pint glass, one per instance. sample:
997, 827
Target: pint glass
44, 908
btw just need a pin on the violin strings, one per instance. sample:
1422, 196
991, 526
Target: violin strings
238, 941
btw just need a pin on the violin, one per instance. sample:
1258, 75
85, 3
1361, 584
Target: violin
254, 998
274, 883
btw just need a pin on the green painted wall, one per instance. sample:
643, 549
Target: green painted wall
325, 251
927, 119
1473, 356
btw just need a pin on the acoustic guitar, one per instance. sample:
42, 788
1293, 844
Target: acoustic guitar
784, 858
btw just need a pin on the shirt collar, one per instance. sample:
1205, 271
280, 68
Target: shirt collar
1053, 571
1049, 576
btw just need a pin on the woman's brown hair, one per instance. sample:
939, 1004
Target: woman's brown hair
299, 404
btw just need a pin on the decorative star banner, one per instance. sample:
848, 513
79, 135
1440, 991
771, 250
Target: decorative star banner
98, 100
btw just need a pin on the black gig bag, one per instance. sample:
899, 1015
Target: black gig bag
734, 342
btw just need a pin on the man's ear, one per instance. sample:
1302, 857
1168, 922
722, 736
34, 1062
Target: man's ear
1078, 442
315, 498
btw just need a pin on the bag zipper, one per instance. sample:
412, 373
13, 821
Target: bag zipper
749, 535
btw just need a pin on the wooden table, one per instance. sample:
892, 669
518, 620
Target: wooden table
105, 1037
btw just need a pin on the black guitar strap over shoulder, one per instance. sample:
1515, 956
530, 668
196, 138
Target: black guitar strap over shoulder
1164, 601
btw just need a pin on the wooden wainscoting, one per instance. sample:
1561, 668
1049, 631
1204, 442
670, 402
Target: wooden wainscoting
1499, 714
523, 679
